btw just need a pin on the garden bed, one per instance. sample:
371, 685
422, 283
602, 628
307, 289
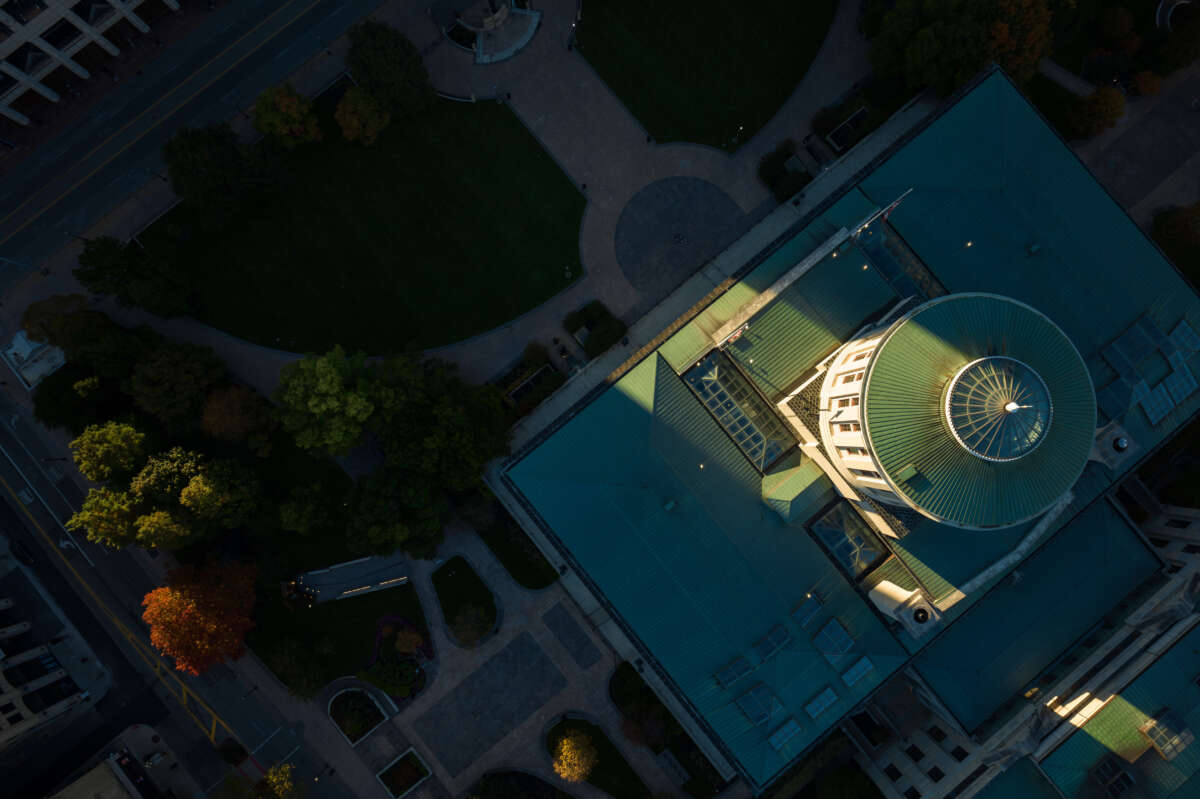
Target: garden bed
467, 605
355, 713
649, 723
611, 774
532, 380
512, 547
309, 647
860, 113
403, 774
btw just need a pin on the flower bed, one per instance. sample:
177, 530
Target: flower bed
355, 714
403, 774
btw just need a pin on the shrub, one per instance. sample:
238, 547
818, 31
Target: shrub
1147, 83
1095, 113
604, 329
575, 756
360, 116
355, 713
393, 675
408, 641
471, 624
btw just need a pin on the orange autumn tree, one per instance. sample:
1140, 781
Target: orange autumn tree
201, 616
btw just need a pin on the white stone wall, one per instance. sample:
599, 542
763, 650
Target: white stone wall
39, 17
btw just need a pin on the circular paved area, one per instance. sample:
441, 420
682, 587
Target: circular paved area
671, 227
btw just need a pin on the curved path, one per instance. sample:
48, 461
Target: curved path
592, 136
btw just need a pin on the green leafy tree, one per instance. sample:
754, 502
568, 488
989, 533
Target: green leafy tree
1096, 113
216, 174
361, 117
325, 401
438, 426
110, 450
87, 337
163, 529
308, 508
171, 382
163, 478
389, 68
239, 414
129, 273
386, 514
107, 517
1183, 42
284, 113
943, 43
224, 492
74, 397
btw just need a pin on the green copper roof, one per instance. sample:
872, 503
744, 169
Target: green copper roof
906, 416
1113, 730
990, 653
796, 492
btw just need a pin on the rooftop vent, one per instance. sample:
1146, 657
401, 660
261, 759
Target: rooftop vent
910, 608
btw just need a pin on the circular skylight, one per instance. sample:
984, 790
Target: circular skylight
998, 408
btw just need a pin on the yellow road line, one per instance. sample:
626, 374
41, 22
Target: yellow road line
164, 116
161, 669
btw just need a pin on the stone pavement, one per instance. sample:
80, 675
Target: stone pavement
465, 724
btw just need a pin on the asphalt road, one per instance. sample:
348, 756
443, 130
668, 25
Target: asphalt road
137, 696
213, 74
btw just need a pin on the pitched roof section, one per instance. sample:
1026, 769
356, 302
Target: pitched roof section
796, 492
695, 562
809, 320
1113, 730
905, 419
996, 648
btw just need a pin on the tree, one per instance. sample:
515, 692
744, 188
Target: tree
238, 413
439, 426
386, 514
408, 641
389, 68
107, 517
1147, 83
216, 174
1095, 113
171, 382
284, 113
1183, 42
128, 272
943, 44
163, 478
74, 397
224, 492
201, 616
278, 783
110, 450
308, 508
575, 756
325, 401
162, 529
87, 337
361, 117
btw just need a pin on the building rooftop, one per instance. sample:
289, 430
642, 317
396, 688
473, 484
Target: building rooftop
932, 464
1021, 780
1115, 732
995, 650
682, 502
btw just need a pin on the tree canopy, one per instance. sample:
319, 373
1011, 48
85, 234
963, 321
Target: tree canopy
361, 117
389, 68
172, 380
325, 401
224, 493
113, 450
1095, 113
107, 517
129, 273
215, 173
201, 616
575, 756
386, 514
943, 43
163, 478
163, 529
238, 413
289, 116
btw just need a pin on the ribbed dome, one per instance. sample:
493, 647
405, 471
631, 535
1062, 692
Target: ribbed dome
998, 408
939, 415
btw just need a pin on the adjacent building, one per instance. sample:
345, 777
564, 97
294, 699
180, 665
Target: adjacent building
47, 671
39, 38
870, 486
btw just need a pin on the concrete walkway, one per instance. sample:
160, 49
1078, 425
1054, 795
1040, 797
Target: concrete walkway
521, 613
581, 123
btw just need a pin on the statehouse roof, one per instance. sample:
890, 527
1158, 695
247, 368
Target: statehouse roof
709, 560
1115, 731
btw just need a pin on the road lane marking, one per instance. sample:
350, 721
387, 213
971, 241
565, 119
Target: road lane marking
158, 120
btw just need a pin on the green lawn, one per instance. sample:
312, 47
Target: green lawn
308, 647
467, 605
696, 70
450, 225
612, 773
